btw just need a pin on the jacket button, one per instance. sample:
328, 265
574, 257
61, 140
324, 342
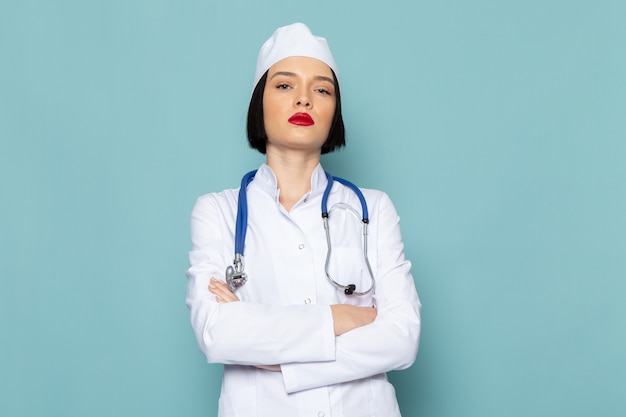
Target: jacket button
301, 246
307, 301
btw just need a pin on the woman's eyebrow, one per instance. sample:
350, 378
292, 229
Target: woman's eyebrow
286, 73
323, 78
293, 74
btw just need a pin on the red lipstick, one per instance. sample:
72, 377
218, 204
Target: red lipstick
301, 119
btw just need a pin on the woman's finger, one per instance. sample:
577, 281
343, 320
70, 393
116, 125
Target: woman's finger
222, 292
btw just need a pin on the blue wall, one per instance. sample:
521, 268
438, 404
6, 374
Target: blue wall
497, 127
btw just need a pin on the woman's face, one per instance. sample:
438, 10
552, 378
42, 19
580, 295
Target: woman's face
298, 104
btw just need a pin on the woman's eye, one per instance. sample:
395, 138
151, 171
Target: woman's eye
282, 86
323, 91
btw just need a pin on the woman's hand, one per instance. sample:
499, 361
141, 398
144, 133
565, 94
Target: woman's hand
222, 292
273, 368
347, 317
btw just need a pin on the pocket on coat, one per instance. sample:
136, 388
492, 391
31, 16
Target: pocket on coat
348, 266
241, 402
384, 399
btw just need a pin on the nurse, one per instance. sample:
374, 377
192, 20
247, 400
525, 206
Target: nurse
292, 344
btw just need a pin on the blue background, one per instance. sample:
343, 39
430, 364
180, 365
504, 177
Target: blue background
497, 127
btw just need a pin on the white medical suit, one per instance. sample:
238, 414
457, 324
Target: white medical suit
284, 315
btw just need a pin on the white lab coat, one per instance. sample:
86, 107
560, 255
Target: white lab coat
284, 315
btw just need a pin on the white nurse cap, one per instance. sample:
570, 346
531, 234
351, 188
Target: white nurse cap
293, 40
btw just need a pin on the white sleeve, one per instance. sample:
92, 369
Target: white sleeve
246, 333
391, 341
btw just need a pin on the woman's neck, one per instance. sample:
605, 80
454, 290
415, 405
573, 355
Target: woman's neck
293, 175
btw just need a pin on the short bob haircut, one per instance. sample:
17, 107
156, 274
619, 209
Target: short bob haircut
257, 137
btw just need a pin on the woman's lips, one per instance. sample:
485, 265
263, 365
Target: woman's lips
301, 119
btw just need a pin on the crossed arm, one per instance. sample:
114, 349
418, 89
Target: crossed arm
346, 317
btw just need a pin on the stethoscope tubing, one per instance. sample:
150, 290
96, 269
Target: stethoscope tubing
242, 213
241, 227
348, 184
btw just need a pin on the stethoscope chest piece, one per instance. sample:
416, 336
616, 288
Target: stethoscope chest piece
235, 277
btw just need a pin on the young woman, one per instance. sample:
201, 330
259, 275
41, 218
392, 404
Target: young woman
305, 324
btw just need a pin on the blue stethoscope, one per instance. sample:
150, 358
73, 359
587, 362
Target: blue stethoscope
236, 277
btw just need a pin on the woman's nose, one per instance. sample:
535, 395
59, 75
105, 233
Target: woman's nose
303, 100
